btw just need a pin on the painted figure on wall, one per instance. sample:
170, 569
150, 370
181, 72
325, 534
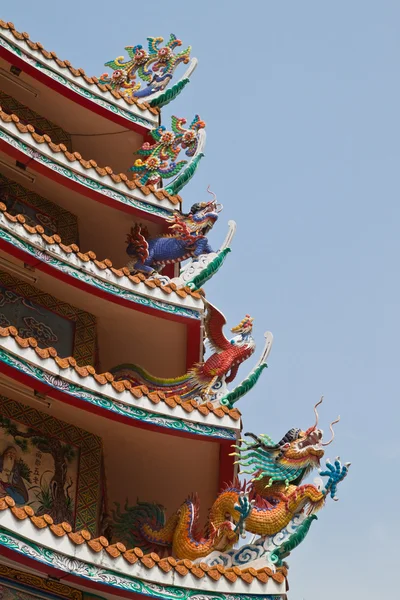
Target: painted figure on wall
38, 470
11, 471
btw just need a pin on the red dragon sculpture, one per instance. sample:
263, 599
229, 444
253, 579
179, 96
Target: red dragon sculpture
222, 364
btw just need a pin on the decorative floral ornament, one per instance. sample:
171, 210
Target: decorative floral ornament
161, 156
155, 67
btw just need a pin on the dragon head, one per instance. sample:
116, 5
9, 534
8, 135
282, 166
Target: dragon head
290, 460
203, 215
245, 326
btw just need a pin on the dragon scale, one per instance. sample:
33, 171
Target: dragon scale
264, 506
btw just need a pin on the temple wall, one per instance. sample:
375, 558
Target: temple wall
50, 465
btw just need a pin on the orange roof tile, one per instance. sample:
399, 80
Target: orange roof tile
106, 378
101, 264
150, 561
88, 164
65, 64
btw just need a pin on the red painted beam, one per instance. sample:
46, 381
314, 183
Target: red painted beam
61, 89
193, 326
77, 187
52, 392
67, 578
27, 258
226, 466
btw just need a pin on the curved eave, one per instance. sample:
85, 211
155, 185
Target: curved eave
76, 386
86, 181
76, 87
98, 569
112, 285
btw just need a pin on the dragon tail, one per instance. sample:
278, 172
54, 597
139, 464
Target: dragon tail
182, 385
144, 526
137, 242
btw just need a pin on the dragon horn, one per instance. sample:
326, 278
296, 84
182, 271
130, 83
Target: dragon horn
212, 193
332, 432
260, 443
316, 416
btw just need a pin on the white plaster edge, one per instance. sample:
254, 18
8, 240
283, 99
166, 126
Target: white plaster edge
60, 159
126, 398
106, 275
63, 545
80, 82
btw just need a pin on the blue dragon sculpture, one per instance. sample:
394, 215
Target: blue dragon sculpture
187, 240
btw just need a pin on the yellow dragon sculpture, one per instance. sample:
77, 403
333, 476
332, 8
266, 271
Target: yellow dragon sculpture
264, 506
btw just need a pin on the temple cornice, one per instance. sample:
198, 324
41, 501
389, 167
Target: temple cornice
70, 168
134, 291
70, 81
97, 562
136, 405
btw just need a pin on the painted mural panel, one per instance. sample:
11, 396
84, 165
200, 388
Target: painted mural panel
10, 593
50, 465
27, 116
52, 322
31, 584
38, 210
38, 470
33, 320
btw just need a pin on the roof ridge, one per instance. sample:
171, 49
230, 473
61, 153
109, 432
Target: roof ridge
182, 567
65, 64
106, 378
160, 194
90, 256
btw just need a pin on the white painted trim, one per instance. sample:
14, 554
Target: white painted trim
75, 166
89, 383
92, 269
80, 82
63, 545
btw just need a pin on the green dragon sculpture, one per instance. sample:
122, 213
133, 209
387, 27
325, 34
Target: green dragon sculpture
265, 506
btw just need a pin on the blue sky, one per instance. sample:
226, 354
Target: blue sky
301, 101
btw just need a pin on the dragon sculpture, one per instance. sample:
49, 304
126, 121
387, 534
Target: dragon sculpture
264, 507
223, 364
160, 158
155, 67
187, 240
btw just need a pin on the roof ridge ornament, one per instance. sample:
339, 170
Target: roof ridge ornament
187, 239
195, 273
228, 398
160, 158
276, 506
203, 381
154, 67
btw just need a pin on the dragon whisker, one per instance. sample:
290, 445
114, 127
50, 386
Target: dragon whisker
314, 427
332, 432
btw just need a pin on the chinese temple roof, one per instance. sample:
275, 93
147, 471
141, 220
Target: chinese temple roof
78, 73
104, 172
136, 556
104, 265
107, 379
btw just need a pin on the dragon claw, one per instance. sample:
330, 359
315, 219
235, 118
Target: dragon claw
335, 472
243, 507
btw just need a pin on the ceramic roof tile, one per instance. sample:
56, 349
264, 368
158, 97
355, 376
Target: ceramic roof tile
76, 157
150, 561
138, 391
90, 256
79, 73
